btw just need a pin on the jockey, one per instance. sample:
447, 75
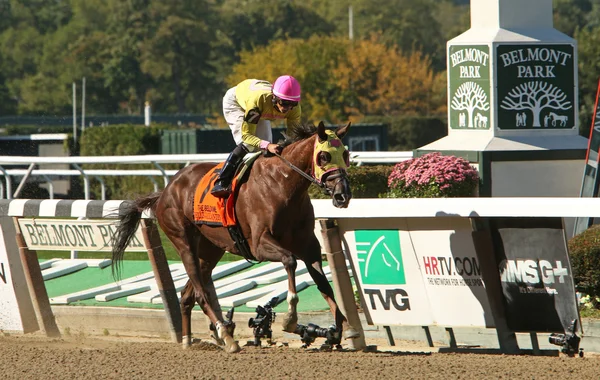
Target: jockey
249, 108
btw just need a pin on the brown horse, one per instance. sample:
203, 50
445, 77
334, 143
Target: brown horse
274, 212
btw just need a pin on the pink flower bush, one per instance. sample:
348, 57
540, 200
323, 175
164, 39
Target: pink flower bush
433, 176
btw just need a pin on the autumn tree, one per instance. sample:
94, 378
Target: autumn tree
344, 80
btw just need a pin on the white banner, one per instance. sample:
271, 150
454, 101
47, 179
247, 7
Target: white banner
76, 235
451, 272
417, 271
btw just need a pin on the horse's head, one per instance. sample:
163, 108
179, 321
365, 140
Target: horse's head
330, 161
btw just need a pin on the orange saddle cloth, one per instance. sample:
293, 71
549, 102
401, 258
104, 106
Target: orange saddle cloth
209, 209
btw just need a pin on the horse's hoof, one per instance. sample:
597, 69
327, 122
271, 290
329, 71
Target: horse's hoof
351, 333
289, 323
233, 348
186, 342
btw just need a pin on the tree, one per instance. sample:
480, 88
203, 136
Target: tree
469, 96
589, 68
127, 29
536, 96
569, 15
177, 55
343, 80
407, 24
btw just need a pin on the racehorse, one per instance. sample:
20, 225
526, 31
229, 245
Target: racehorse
275, 215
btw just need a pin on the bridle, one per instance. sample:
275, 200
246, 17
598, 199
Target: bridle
337, 174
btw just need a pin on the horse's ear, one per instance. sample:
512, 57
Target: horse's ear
321, 132
341, 131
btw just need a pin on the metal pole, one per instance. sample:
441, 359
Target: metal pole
83, 105
24, 180
74, 114
147, 114
350, 23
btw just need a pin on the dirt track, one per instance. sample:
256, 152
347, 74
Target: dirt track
36, 357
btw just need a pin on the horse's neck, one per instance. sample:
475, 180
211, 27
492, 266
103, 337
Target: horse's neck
300, 154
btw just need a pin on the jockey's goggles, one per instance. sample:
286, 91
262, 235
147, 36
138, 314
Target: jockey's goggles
287, 103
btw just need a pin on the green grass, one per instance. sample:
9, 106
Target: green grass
170, 252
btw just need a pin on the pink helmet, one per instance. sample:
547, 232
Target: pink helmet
287, 87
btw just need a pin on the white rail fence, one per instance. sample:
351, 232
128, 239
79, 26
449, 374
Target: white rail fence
47, 175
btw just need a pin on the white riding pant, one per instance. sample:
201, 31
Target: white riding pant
234, 115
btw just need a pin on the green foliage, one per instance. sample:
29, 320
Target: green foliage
569, 15
407, 24
33, 129
589, 67
584, 253
121, 140
365, 181
177, 54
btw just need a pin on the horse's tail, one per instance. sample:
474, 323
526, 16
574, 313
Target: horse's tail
130, 215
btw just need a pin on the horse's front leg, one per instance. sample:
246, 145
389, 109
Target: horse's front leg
315, 270
290, 319
269, 249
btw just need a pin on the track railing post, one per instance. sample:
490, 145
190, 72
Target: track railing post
164, 280
341, 279
35, 283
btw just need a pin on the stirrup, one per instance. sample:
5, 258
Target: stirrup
219, 191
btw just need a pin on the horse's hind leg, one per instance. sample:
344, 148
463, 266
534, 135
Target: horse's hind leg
186, 305
208, 256
315, 269
181, 233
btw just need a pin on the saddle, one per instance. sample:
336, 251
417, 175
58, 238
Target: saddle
220, 212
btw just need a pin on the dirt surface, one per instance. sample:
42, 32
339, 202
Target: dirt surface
80, 357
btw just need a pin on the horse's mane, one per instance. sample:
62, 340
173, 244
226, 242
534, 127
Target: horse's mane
297, 133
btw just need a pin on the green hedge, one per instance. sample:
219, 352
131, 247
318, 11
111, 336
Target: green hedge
122, 140
366, 182
584, 252
34, 129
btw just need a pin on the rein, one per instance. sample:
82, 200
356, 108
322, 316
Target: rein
303, 174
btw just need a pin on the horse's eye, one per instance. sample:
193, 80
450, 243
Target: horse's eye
323, 158
346, 156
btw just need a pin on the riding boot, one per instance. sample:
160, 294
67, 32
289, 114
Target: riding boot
221, 188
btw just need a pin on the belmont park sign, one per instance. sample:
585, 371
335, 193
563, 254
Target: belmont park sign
74, 235
535, 87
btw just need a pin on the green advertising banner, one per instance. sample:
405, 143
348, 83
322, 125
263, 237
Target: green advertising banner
536, 86
380, 257
469, 82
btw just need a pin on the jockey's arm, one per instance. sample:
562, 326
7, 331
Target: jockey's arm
254, 110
